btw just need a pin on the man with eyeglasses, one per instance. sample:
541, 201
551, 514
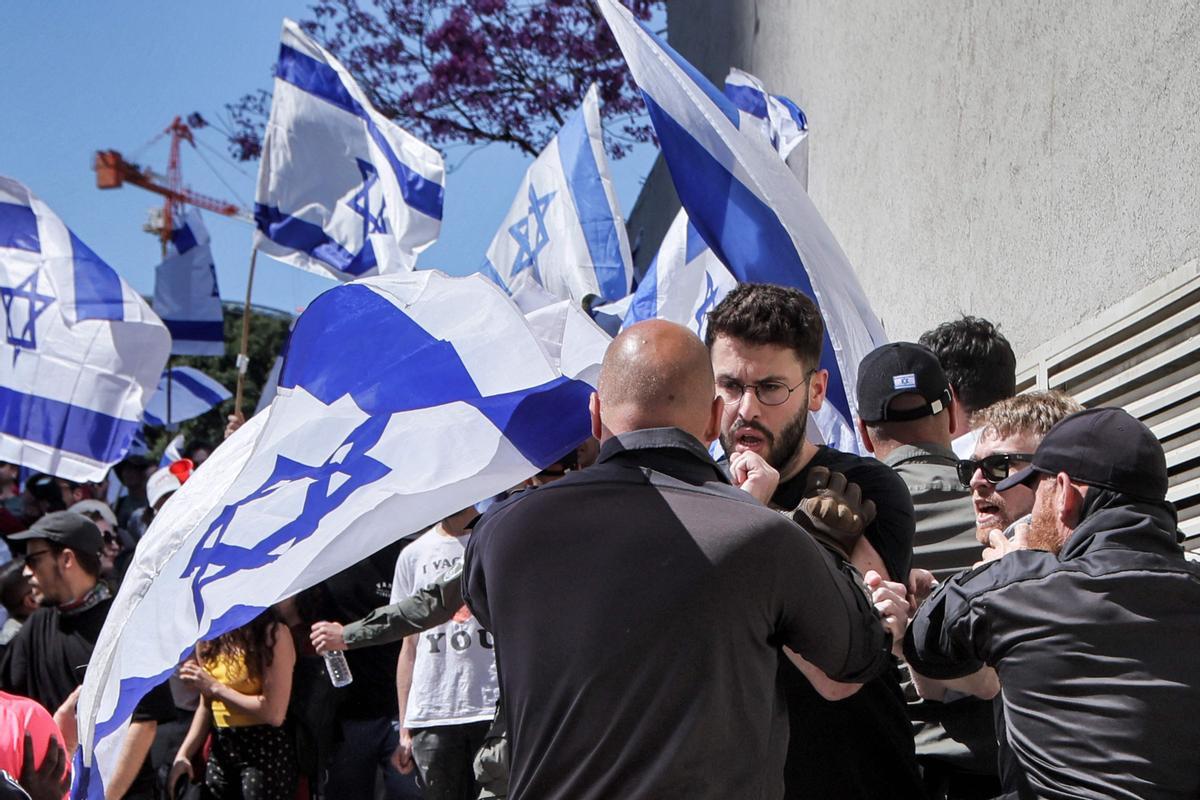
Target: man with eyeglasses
846, 740
47, 658
1009, 433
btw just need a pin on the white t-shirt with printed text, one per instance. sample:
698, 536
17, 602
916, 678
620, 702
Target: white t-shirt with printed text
454, 678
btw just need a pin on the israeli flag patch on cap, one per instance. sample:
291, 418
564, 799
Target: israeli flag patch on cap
908, 381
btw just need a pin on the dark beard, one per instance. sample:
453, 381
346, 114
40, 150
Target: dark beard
780, 449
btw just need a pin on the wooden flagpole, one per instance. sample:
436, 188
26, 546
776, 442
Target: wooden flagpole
243, 359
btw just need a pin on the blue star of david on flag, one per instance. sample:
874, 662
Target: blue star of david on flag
527, 255
361, 202
710, 299
26, 290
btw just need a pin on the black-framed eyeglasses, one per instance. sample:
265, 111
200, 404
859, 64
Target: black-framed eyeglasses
769, 393
31, 558
995, 467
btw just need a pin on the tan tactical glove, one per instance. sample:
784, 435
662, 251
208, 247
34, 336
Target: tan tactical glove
833, 511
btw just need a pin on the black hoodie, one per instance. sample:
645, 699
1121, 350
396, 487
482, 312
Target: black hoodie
1097, 649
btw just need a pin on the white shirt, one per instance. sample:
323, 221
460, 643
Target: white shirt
454, 678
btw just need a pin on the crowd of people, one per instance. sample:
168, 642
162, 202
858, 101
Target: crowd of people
993, 603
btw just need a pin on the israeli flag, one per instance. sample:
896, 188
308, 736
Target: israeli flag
342, 190
81, 354
183, 393
436, 411
684, 281
750, 209
564, 231
172, 452
186, 296
780, 120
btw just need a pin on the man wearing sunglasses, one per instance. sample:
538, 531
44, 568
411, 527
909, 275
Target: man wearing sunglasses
1009, 432
47, 658
908, 418
1093, 630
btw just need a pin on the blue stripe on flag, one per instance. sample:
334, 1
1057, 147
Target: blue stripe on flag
60, 425
723, 103
695, 244
98, 292
748, 99
592, 206
183, 239
536, 420
196, 330
422, 372
308, 237
321, 80
645, 297
18, 228
742, 231
797, 114
200, 390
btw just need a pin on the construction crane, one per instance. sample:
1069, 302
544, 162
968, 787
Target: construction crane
113, 171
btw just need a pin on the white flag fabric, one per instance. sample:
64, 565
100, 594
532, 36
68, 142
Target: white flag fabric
564, 230
183, 393
393, 404
342, 190
186, 296
81, 353
750, 209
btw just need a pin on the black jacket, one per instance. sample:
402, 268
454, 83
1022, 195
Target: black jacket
1098, 653
638, 607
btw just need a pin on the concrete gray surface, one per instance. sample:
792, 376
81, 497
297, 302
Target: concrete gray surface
1032, 163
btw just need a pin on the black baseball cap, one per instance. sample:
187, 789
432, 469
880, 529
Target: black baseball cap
1104, 447
900, 368
65, 528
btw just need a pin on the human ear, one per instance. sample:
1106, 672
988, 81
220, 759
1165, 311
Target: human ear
594, 412
816, 389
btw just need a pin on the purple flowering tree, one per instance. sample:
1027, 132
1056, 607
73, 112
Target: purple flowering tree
472, 71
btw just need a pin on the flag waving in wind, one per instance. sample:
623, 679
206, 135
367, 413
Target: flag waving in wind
564, 231
186, 296
402, 399
183, 393
750, 210
81, 352
342, 190
686, 279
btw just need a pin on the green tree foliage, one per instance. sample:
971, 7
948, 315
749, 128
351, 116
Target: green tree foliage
268, 332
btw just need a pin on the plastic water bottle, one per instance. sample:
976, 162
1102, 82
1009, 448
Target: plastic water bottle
338, 668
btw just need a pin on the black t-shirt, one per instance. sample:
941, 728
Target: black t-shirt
46, 660
350, 595
862, 746
891, 534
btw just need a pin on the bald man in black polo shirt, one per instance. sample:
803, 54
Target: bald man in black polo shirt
662, 596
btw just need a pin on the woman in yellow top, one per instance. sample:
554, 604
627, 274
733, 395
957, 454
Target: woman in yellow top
245, 681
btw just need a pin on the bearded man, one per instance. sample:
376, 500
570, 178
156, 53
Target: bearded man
1091, 623
846, 740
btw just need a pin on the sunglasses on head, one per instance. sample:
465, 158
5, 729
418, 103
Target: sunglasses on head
995, 467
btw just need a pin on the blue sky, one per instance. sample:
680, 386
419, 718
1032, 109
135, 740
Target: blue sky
81, 77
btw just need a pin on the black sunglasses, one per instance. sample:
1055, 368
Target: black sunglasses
995, 467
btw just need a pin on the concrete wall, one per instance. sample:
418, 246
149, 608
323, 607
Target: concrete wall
1032, 163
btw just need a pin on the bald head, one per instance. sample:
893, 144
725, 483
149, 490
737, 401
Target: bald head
656, 374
